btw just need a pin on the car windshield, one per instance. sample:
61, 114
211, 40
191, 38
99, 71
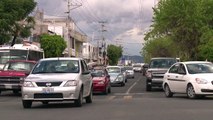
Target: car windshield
162, 63
18, 66
97, 73
114, 70
129, 68
200, 68
136, 65
57, 66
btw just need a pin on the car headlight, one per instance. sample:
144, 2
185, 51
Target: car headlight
148, 74
70, 83
119, 78
201, 81
28, 84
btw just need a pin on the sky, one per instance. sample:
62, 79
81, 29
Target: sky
126, 21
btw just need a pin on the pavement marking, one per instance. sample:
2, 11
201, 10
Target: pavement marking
128, 97
111, 97
127, 92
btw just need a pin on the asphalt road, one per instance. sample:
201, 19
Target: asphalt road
131, 102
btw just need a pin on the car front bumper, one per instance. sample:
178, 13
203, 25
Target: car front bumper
50, 93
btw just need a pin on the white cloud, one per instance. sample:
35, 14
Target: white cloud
122, 16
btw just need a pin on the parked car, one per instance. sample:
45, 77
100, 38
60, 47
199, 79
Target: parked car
157, 69
130, 72
58, 79
101, 80
116, 75
194, 78
13, 74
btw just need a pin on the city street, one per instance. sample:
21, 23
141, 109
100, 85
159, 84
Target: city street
130, 102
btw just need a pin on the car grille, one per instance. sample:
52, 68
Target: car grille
49, 95
43, 84
10, 80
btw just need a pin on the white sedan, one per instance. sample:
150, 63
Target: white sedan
194, 78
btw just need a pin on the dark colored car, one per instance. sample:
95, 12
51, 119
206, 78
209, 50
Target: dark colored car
101, 80
13, 74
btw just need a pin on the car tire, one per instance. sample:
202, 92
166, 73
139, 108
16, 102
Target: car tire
126, 80
26, 103
0, 92
148, 87
79, 101
167, 91
89, 98
109, 89
191, 92
106, 91
122, 84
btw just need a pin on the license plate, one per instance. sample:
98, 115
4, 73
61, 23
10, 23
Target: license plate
48, 90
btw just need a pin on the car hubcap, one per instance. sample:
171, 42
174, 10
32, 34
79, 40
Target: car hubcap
191, 92
167, 90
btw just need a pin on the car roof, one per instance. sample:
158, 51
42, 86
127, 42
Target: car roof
194, 62
162, 58
61, 58
27, 61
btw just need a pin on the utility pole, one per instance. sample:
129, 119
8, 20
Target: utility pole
70, 7
103, 42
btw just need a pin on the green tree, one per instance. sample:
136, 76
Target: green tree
53, 45
184, 21
161, 47
14, 19
114, 53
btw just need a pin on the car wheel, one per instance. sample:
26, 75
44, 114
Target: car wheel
125, 80
167, 91
106, 91
26, 103
148, 86
89, 98
122, 84
190, 92
109, 89
79, 101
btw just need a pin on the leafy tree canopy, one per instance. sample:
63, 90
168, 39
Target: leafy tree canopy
14, 19
114, 53
53, 45
185, 22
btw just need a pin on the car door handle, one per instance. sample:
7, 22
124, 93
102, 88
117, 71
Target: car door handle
168, 75
176, 76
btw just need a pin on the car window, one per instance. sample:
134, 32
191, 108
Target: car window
19, 66
98, 73
197, 68
114, 70
174, 68
57, 66
181, 69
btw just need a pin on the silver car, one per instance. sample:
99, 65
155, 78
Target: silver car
116, 75
58, 79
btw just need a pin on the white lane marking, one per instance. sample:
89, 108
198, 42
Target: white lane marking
111, 97
127, 92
